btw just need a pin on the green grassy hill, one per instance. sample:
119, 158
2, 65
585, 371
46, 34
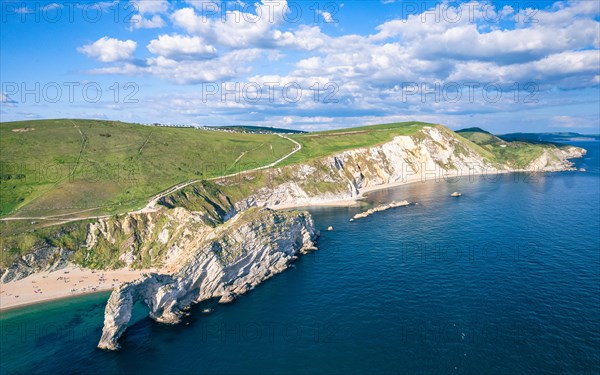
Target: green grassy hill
516, 154
91, 167
319, 144
480, 136
51, 167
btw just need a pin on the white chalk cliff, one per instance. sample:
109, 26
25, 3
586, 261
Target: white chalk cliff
236, 257
436, 153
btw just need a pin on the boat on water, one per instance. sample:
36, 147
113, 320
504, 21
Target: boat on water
456, 194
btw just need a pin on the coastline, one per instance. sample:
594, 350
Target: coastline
67, 282
92, 281
355, 201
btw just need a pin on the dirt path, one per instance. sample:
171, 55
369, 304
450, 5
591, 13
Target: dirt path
83, 144
151, 206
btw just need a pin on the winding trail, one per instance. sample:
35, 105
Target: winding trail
81, 149
151, 206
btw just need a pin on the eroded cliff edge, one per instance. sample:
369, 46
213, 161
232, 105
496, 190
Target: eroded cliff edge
232, 259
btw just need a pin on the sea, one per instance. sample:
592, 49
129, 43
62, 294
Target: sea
502, 280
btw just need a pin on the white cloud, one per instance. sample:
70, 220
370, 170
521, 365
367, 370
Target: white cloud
151, 6
226, 66
178, 46
187, 19
573, 122
6, 100
558, 52
237, 29
147, 14
327, 17
566, 69
23, 10
140, 22
109, 49
467, 39
52, 6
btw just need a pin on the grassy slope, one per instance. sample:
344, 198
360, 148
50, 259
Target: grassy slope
515, 154
319, 144
314, 146
121, 165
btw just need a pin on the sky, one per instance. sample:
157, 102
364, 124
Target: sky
505, 66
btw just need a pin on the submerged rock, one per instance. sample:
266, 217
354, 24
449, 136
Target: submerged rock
250, 248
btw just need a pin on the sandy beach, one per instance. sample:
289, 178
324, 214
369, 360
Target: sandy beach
354, 201
67, 282
411, 179
324, 203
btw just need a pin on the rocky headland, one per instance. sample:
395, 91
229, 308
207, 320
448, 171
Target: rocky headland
247, 250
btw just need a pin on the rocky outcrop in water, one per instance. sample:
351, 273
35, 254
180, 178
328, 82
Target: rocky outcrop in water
234, 258
383, 207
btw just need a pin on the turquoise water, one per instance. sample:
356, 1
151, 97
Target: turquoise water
503, 280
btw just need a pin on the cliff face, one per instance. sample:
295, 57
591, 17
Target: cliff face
138, 240
433, 154
42, 258
145, 240
233, 259
556, 159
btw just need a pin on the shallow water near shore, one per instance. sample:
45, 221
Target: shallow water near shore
502, 280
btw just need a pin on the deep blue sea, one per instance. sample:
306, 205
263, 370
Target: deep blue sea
503, 280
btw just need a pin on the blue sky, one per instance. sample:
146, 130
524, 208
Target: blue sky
505, 65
